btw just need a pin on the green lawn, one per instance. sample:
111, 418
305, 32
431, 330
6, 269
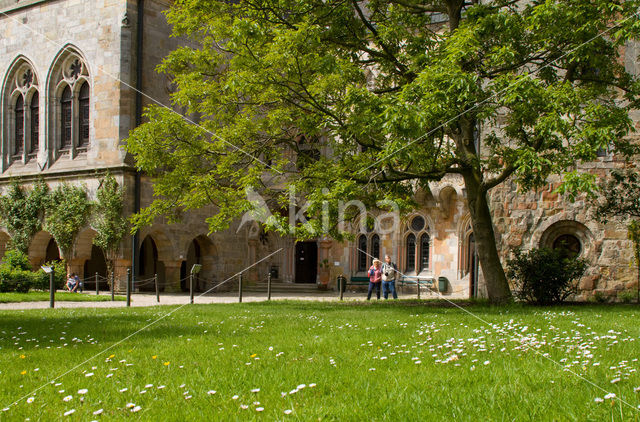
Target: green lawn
60, 296
321, 361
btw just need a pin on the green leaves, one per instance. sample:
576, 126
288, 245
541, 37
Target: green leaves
67, 212
391, 99
22, 214
108, 220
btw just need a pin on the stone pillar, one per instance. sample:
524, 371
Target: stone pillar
171, 277
253, 274
324, 262
120, 267
76, 265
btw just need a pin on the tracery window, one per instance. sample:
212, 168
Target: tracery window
18, 142
362, 253
417, 244
66, 115
21, 117
71, 90
35, 123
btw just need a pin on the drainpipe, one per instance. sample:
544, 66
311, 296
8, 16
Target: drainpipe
136, 190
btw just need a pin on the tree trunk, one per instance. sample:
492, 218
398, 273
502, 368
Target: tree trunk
497, 286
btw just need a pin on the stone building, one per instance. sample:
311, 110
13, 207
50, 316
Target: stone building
75, 76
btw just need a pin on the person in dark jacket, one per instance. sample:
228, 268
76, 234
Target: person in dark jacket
389, 275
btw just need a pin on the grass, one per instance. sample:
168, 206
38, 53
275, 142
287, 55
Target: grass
387, 361
60, 297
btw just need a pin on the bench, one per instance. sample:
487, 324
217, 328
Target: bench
353, 281
413, 280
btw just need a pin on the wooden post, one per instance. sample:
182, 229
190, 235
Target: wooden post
240, 288
191, 288
269, 286
128, 287
112, 286
52, 288
155, 279
97, 286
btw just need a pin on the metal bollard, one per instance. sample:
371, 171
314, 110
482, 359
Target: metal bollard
52, 288
97, 286
191, 288
113, 283
341, 286
269, 286
128, 287
418, 284
155, 279
240, 289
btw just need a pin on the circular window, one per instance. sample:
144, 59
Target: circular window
568, 243
417, 223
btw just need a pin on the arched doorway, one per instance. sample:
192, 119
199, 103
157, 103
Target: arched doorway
53, 252
306, 262
148, 264
194, 256
96, 264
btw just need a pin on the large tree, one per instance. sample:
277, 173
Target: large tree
392, 94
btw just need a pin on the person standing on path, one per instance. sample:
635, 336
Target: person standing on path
389, 275
375, 278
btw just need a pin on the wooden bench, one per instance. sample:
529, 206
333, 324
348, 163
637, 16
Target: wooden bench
419, 281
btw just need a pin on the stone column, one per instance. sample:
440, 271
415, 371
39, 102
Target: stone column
76, 265
253, 274
120, 267
324, 246
171, 277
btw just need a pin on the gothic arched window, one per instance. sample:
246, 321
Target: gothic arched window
362, 253
83, 108
66, 118
424, 252
411, 253
18, 146
35, 123
417, 245
375, 246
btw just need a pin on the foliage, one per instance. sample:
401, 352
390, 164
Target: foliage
59, 276
109, 222
545, 276
599, 297
627, 296
378, 98
15, 272
22, 214
17, 275
67, 211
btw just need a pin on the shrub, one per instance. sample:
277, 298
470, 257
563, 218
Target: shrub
599, 297
41, 279
627, 296
15, 272
545, 276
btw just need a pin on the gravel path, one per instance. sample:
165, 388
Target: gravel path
144, 299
